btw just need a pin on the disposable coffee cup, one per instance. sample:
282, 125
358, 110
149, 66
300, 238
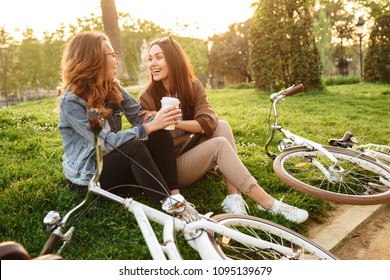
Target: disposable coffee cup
167, 102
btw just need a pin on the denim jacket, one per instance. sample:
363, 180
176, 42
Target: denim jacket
78, 141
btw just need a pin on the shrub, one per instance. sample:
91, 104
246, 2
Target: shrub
340, 80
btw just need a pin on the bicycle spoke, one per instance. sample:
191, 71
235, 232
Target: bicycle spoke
356, 175
266, 231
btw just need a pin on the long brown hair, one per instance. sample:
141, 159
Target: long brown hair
84, 71
181, 74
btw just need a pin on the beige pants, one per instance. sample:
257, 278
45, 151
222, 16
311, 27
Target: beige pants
219, 150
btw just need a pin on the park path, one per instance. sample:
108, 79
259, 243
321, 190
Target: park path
355, 232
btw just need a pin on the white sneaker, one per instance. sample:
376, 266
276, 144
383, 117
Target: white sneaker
181, 208
291, 213
235, 204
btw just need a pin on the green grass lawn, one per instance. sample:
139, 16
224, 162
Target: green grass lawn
32, 182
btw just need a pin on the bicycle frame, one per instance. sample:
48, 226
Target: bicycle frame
380, 152
196, 232
296, 140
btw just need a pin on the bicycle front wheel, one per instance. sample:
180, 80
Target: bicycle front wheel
300, 247
358, 179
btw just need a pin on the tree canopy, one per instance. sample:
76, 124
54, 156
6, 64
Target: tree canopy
229, 54
285, 42
282, 46
377, 61
35, 63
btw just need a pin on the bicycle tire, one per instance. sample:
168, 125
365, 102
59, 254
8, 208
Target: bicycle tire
266, 230
365, 182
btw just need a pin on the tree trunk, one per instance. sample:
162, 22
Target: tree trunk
111, 28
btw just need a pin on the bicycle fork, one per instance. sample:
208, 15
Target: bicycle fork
334, 173
143, 214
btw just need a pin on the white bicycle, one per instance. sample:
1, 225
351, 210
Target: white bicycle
223, 236
331, 173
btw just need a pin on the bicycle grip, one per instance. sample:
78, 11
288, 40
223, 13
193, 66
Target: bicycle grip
294, 90
94, 120
49, 245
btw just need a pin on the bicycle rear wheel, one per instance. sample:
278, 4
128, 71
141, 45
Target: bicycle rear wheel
362, 180
301, 247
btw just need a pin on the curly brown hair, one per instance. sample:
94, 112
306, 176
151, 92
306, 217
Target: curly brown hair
84, 71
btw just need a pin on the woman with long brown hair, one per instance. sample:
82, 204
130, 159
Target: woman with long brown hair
171, 75
142, 154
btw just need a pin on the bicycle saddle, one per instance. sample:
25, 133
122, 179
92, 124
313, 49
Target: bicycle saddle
11, 250
347, 141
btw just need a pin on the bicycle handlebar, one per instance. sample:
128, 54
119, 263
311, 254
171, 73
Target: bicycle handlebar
94, 124
275, 99
286, 92
294, 90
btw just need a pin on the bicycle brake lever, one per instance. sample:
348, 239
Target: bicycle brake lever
66, 238
277, 96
